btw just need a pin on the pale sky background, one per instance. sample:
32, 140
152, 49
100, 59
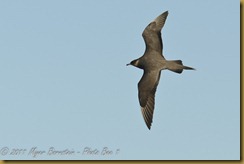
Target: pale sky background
64, 83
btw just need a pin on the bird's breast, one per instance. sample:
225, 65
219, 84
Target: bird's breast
153, 63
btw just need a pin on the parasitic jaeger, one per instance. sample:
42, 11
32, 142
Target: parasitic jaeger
152, 62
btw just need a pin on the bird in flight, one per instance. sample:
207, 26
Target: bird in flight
152, 62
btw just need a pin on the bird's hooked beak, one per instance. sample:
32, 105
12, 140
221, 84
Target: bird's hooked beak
128, 64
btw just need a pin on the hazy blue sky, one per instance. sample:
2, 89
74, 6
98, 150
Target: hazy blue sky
64, 83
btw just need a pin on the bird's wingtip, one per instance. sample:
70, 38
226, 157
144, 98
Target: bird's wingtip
166, 12
148, 126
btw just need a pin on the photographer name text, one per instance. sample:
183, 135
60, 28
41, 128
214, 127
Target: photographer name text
36, 152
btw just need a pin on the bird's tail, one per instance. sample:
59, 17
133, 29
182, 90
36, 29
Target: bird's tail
177, 66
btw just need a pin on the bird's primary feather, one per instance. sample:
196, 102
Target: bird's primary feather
146, 94
152, 34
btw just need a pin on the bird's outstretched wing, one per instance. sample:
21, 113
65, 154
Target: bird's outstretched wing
146, 92
152, 33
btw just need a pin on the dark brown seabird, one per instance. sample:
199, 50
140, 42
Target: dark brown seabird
152, 62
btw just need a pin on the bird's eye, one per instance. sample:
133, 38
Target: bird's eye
134, 62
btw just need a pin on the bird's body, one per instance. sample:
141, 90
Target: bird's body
152, 62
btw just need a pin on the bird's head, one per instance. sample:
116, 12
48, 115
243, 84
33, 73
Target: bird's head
135, 63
